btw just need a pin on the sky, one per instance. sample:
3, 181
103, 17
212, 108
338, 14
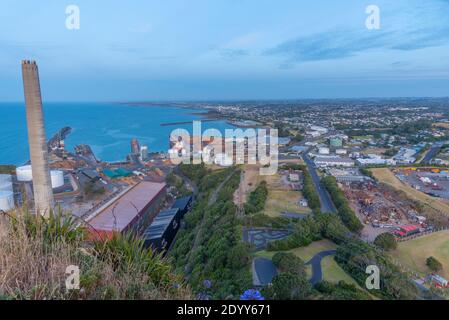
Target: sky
226, 49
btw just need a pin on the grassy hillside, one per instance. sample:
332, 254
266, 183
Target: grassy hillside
34, 255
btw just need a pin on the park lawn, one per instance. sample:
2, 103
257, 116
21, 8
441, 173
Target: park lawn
332, 272
282, 198
413, 253
386, 176
306, 253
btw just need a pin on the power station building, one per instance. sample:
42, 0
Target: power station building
130, 211
43, 193
160, 234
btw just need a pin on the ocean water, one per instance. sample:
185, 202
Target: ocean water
108, 128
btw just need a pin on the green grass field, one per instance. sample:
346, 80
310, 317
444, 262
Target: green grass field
281, 198
413, 253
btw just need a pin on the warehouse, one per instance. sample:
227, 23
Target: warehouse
183, 204
129, 211
333, 161
160, 234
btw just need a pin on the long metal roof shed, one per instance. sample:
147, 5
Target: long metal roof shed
160, 224
121, 214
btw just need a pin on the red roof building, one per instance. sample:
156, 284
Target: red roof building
140, 203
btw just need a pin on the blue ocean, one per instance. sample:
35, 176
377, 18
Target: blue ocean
107, 127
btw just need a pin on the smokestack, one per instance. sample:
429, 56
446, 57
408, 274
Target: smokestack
43, 193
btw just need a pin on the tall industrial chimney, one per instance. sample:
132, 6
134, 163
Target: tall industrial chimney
43, 193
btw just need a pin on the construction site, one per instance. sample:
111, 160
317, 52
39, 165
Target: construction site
381, 209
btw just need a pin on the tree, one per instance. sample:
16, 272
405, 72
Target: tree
288, 262
433, 264
288, 286
386, 241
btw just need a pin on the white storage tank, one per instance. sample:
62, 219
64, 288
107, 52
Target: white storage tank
6, 200
6, 182
223, 160
57, 178
5, 178
24, 173
6, 186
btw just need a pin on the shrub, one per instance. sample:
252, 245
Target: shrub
346, 214
433, 264
35, 252
288, 262
288, 286
386, 241
257, 198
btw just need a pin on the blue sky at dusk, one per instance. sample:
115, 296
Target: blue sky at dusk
226, 49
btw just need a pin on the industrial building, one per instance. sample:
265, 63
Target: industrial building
130, 211
336, 142
333, 161
160, 234
183, 204
373, 159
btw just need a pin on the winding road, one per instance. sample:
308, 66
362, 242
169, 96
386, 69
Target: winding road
315, 262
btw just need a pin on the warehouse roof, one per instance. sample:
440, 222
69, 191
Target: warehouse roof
124, 211
160, 224
182, 203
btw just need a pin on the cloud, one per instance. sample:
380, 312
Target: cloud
231, 54
341, 44
329, 45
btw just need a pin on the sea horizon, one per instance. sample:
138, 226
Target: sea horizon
101, 125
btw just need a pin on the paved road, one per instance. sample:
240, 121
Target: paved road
326, 202
317, 271
431, 154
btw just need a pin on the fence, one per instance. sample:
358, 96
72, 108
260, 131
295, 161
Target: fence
421, 234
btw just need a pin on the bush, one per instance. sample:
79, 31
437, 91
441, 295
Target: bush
341, 291
314, 228
210, 247
310, 192
354, 256
346, 214
257, 198
288, 286
288, 262
35, 253
386, 241
433, 264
